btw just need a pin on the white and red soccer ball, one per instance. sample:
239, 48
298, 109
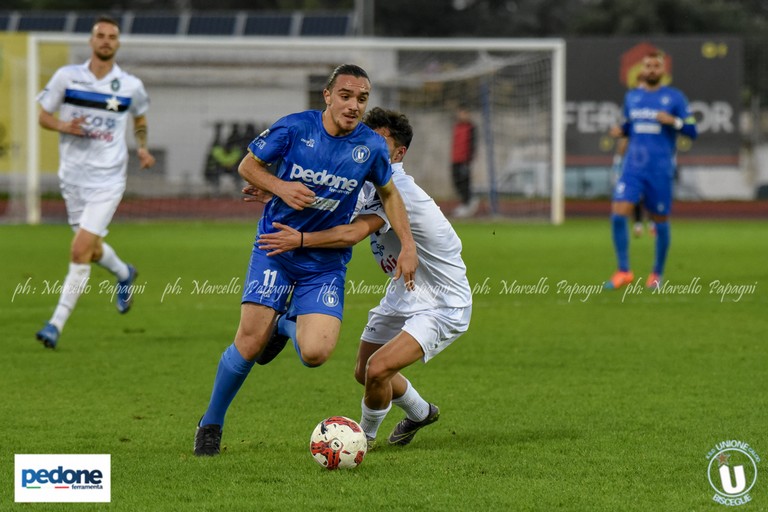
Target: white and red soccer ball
338, 442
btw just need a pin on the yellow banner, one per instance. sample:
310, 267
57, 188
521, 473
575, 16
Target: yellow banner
14, 102
51, 57
13, 120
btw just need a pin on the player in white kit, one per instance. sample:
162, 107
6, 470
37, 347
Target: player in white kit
94, 101
406, 326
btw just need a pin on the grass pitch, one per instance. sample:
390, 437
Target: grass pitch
560, 397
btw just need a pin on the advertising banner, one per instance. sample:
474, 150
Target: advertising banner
599, 71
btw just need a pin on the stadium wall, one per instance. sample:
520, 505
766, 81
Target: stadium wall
221, 92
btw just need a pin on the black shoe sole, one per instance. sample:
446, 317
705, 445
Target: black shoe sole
45, 341
274, 346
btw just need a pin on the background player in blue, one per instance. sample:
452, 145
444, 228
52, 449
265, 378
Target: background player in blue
323, 159
653, 117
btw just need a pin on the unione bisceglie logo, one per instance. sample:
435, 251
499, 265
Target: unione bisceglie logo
732, 472
63, 478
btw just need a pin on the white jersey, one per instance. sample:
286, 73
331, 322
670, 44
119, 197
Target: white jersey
100, 158
441, 278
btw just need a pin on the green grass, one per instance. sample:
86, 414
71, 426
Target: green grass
551, 401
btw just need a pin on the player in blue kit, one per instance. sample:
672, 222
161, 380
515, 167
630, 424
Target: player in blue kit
406, 326
323, 159
653, 117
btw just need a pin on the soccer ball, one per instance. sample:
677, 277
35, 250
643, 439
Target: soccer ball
338, 442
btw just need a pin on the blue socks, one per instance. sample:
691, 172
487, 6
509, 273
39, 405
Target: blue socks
287, 327
233, 369
663, 239
298, 351
620, 240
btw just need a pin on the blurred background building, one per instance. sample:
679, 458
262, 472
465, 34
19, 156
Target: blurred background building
717, 51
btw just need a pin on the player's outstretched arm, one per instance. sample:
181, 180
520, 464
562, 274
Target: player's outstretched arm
346, 235
294, 194
394, 207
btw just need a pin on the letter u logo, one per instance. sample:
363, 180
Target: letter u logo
725, 479
360, 154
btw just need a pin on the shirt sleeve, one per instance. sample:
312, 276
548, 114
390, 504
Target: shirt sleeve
52, 96
689, 120
362, 198
682, 110
626, 124
273, 143
373, 206
381, 172
139, 101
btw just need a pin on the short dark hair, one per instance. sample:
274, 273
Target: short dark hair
399, 127
346, 69
103, 18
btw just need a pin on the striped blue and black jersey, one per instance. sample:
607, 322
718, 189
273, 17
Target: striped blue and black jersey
99, 158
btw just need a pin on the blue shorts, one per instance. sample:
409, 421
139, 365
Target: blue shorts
271, 281
655, 190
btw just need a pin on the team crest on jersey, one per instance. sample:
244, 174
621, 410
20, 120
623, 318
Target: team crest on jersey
360, 154
115, 84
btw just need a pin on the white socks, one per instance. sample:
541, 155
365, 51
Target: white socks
74, 285
110, 261
372, 418
77, 280
415, 407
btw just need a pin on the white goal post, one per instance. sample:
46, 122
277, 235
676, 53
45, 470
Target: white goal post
203, 89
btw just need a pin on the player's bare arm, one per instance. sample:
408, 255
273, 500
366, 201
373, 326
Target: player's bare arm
346, 235
146, 160
407, 261
255, 195
686, 127
667, 118
53, 123
296, 195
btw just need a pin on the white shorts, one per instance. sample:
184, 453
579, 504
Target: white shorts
91, 208
433, 329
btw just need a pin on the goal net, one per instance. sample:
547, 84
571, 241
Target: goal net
211, 96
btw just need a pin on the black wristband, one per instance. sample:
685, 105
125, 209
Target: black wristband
302, 240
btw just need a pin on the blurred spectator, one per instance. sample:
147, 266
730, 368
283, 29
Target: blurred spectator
462, 154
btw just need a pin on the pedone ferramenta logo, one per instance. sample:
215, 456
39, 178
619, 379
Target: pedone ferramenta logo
62, 478
732, 472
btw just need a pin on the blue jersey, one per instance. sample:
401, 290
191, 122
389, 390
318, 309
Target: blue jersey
335, 168
651, 146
